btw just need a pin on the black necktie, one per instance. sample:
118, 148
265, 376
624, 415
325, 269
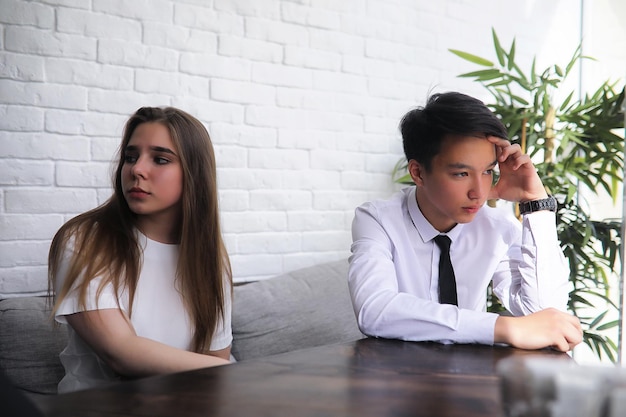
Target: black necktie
447, 282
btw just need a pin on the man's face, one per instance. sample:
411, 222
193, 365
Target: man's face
458, 183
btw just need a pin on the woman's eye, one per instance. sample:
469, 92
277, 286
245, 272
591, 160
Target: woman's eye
129, 159
161, 161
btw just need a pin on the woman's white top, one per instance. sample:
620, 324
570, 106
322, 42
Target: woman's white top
158, 314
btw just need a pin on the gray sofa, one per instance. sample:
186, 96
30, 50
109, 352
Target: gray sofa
305, 308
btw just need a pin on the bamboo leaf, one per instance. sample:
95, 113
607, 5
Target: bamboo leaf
483, 75
566, 101
498, 83
598, 319
609, 325
558, 71
523, 80
512, 55
519, 99
498, 47
609, 349
472, 58
573, 60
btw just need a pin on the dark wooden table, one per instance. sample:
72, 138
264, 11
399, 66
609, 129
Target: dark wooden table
369, 377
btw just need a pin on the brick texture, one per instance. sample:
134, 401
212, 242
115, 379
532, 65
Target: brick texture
302, 100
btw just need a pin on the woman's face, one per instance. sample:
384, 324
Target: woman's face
152, 176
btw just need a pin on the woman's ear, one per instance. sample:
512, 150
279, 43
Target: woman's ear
416, 171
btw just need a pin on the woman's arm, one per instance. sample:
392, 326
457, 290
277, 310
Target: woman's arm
112, 337
222, 353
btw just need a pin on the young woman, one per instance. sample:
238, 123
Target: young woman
144, 280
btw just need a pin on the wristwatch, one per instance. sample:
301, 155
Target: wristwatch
538, 205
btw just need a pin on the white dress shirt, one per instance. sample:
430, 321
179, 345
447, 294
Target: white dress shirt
393, 275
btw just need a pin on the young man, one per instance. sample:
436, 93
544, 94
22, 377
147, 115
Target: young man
453, 145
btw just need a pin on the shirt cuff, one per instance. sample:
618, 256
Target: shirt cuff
476, 327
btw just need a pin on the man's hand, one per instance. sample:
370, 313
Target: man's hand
518, 180
545, 328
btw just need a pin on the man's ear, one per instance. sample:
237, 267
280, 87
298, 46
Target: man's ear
416, 171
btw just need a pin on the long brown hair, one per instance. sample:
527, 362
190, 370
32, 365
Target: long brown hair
105, 243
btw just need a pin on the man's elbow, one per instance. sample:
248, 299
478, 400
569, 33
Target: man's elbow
368, 325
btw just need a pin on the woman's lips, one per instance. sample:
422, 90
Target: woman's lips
137, 192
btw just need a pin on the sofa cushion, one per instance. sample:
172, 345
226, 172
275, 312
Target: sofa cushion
30, 345
305, 308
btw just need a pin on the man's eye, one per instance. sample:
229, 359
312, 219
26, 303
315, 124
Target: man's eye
460, 174
489, 172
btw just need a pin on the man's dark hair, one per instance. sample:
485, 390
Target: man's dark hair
446, 114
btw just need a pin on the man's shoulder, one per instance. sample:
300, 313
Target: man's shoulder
386, 206
500, 218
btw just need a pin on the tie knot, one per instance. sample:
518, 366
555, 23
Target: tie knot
443, 242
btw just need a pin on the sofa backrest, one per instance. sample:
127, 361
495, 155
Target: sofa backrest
304, 308
30, 345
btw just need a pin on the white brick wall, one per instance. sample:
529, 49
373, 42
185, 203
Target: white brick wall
302, 99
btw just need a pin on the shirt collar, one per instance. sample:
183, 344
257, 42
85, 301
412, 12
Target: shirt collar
426, 230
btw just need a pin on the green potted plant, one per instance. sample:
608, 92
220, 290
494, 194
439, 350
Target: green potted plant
575, 145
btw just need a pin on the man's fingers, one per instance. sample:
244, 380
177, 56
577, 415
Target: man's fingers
513, 158
574, 334
571, 333
562, 345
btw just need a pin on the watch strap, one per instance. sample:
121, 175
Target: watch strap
538, 205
